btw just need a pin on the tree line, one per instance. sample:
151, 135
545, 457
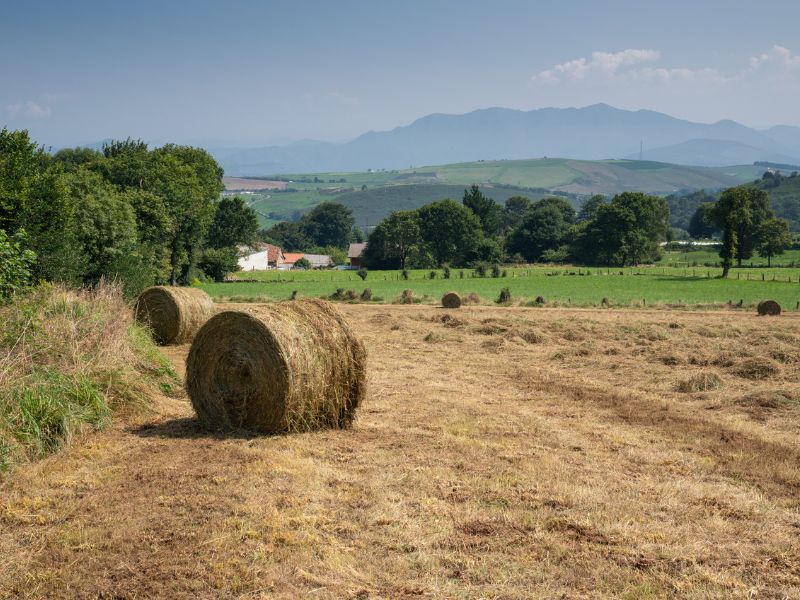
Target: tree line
627, 229
624, 230
128, 212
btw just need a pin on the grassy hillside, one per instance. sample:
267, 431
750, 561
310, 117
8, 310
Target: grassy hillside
372, 195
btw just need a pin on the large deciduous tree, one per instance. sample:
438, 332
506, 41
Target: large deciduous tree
738, 214
450, 230
773, 238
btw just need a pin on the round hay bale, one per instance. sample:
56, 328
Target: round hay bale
604, 302
366, 295
290, 366
539, 300
407, 297
451, 300
174, 314
769, 308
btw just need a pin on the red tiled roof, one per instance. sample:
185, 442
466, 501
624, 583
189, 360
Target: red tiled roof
292, 257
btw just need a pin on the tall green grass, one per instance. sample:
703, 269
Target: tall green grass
69, 361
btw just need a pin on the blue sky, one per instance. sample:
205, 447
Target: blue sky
252, 73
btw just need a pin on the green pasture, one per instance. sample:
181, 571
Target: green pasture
567, 286
710, 256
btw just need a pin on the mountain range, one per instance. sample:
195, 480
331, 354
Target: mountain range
594, 132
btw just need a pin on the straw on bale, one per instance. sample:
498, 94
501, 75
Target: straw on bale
769, 308
451, 300
174, 314
291, 366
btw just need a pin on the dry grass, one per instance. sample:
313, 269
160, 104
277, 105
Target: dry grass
471, 472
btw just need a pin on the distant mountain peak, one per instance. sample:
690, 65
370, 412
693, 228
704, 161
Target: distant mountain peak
597, 131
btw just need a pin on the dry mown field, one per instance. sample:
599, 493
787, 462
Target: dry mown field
501, 453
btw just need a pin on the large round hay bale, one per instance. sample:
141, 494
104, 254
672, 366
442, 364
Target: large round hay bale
769, 308
174, 314
451, 300
290, 366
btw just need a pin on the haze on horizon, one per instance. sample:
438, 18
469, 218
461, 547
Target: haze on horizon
249, 73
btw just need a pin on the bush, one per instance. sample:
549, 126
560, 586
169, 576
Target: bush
495, 270
432, 275
480, 270
446, 272
217, 263
303, 263
69, 360
505, 296
362, 272
405, 274
15, 266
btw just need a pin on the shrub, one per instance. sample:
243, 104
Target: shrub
218, 262
15, 266
446, 272
303, 263
362, 272
505, 296
480, 270
432, 275
405, 274
495, 270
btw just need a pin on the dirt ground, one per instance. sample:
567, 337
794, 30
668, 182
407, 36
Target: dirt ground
501, 453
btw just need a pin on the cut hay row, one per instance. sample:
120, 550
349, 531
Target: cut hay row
291, 366
174, 314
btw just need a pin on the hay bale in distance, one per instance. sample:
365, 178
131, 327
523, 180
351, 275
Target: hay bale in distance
407, 297
451, 300
290, 366
539, 300
174, 314
769, 308
472, 298
366, 295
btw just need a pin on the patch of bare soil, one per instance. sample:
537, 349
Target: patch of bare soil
526, 453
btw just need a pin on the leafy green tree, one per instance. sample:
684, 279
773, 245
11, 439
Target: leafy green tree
773, 238
329, 224
543, 228
738, 214
288, 235
33, 196
701, 225
190, 181
565, 208
486, 209
71, 159
105, 228
218, 262
450, 231
513, 212
234, 223
590, 207
627, 230
402, 236
15, 265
